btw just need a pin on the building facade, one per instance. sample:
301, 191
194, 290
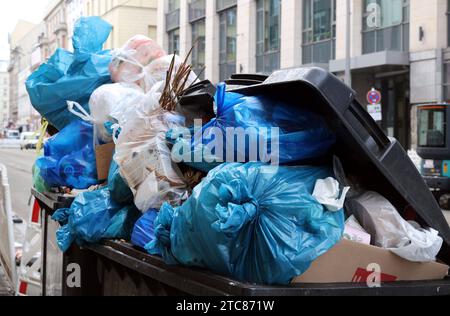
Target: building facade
25, 58
55, 21
128, 18
17, 63
399, 47
75, 9
4, 95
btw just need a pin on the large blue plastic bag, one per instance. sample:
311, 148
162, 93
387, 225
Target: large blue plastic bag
302, 135
69, 158
71, 76
94, 216
252, 222
143, 232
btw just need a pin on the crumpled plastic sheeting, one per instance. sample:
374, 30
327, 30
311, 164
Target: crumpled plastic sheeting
252, 222
69, 158
144, 157
71, 76
302, 135
143, 232
390, 231
92, 217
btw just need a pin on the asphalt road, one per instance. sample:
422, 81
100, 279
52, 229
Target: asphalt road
19, 165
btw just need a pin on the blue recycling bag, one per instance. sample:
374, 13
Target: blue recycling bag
143, 232
94, 216
69, 158
71, 76
120, 192
253, 222
301, 135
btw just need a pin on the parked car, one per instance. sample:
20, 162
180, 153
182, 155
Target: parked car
29, 140
12, 134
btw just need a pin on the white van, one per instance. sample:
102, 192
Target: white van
29, 140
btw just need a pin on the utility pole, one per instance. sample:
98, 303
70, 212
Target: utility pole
348, 74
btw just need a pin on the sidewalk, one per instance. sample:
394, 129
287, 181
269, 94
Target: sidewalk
5, 290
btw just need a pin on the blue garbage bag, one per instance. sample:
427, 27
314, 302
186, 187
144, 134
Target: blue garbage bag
69, 158
71, 76
120, 192
143, 232
301, 135
94, 216
253, 222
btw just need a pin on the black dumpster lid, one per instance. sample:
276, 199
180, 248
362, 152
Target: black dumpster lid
380, 163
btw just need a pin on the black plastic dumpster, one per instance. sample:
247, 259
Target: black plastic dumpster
116, 268
378, 162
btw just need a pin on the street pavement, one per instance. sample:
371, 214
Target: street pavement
19, 165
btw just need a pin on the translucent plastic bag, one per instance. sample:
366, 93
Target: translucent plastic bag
129, 62
72, 76
145, 159
256, 223
109, 103
390, 231
301, 135
92, 217
69, 158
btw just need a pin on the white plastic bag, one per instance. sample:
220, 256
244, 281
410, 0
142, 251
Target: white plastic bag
328, 193
145, 158
109, 104
390, 231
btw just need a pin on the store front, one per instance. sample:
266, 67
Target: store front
394, 85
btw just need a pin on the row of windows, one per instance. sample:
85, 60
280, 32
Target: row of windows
99, 7
385, 27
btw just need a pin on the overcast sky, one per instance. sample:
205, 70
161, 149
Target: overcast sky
13, 10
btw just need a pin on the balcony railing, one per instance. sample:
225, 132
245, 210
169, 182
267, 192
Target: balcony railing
173, 20
197, 10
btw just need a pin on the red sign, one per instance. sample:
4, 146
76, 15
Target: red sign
374, 97
362, 276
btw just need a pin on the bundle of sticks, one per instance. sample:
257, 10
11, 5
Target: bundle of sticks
175, 87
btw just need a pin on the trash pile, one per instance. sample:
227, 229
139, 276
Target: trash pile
243, 185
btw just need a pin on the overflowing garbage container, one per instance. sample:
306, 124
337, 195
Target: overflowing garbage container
258, 186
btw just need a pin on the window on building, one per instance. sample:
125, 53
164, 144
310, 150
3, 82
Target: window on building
197, 15
152, 32
268, 28
174, 41
447, 81
319, 31
174, 5
227, 37
173, 26
385, 25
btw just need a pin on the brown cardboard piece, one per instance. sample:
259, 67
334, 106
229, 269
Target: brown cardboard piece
349, 262
104, 155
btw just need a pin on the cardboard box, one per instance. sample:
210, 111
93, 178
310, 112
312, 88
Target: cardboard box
348, 262
104, 155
